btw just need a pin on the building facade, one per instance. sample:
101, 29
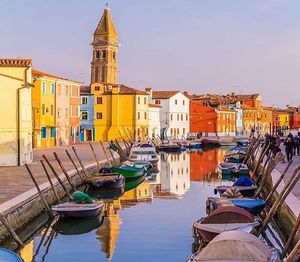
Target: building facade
15, 105
87, 131
74, 110
174, 113
154, 120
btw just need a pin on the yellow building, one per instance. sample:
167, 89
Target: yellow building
283, 119
15, 108
120, 112
43, 109
266, 120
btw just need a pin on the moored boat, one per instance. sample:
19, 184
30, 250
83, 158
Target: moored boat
7, 255
236, 155
143, 152
108, 181
210, 142
220, 220
236, 246
170, 147
134, 183
129, 172
234, 169
226, 142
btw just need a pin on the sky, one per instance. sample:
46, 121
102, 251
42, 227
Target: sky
199, 46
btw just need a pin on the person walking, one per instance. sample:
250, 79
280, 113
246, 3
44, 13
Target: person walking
289, 147
296, 140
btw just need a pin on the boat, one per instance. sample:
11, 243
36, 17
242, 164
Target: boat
243, 143
107, 181
233, 169
72, 209
252, 205
105, 194
236, 155
244, 185
210, 142
143, 152
77, 226
129, 172
236, 246
220, 220
7, 255
170, 148
226, 142
194, 144
134, 183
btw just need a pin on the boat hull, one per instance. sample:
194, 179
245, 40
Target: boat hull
129, 174
101, 181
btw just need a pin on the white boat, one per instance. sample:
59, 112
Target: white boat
143, 152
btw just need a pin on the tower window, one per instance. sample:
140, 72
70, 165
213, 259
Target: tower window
104, 54
97, 54
114, 55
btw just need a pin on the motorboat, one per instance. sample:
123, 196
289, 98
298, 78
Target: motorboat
236, 246
143, 152
233, 169
106, 181
220, 220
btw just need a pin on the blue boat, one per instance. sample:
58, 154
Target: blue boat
9, 256
252, 205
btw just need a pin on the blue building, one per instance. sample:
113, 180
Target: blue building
87, 130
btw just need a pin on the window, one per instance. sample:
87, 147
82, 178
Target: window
43, 87
177, 117
43, 109
84, 115
84, 100
99, 115
183, 102
186, 117
96, 73
175, 101
99, 100
157, 102
52, 110
103, 73
181, 117
67, 90
97, 54
44, 132
59, 89
183, 131
139, 100
171, 131
104, 54
171, 117
114, 55
145, 115
53, 132
97, 88
139, 115
145, 100
52, 88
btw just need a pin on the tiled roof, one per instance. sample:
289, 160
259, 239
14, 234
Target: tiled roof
130, 90
106, 25
163, 94
248, 107
37, 73
15, 62
246, 97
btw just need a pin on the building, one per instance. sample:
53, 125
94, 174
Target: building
56, 107
283, 119
174, 113
15, 106
87, 131
226, 121
43, 109
121, 112
154, 120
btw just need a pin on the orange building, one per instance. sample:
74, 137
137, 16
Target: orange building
226, 122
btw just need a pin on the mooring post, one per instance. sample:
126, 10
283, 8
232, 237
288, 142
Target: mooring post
78, 159
291, 237
279, 181
112, 156
105, 153
64, 171
73, 163
57, 177
294, 253
50, 181
10, 230
38, 189
95, 156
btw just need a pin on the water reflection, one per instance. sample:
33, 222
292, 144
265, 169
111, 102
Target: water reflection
128, 227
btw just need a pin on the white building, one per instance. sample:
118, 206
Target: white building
174, 113
154, 120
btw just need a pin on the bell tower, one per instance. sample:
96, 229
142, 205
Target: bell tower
104, 66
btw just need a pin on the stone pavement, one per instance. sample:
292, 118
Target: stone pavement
16, 180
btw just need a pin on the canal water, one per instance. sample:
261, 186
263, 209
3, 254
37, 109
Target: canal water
152, 221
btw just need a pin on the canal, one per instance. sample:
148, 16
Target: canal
152, 221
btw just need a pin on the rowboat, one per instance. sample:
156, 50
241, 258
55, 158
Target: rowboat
71, 209
234, 169
129, 172
236, 155
105, 194
107, 181
8, 256
210, 142
236, 246
252, 205
143, 152
220, 220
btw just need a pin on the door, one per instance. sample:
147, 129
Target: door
89, 135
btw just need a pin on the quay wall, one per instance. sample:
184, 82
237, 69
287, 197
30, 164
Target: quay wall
23, 209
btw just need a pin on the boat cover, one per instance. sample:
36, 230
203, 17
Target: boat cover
9, 256
248, 203
243, 181
234, 246
82, 198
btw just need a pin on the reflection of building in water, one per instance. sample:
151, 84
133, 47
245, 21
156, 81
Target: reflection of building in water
175, 173
143, 192
108, 232
27, 252
204, 165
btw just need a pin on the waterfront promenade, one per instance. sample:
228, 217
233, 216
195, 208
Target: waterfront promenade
16, 180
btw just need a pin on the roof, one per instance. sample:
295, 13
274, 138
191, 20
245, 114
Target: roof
125, 90
246, 97
106, 25
154, 105
15, 62
37, 73
163, 94
85, 90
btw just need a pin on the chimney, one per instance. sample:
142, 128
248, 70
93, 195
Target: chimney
149, 91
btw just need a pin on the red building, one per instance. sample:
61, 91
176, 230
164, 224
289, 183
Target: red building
296, 120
